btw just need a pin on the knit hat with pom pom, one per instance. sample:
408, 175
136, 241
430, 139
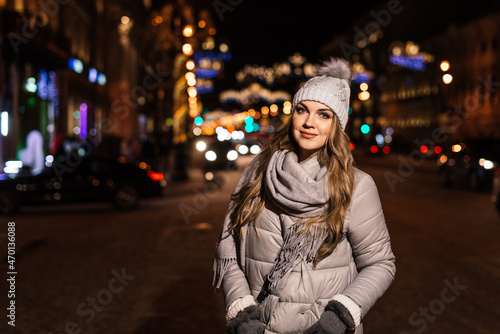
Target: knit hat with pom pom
331, 87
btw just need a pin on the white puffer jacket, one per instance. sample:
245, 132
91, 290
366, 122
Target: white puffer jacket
357, 273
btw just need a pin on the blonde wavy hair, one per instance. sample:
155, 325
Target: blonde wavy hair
248, 202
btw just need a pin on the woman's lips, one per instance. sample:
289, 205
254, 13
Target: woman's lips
308, 135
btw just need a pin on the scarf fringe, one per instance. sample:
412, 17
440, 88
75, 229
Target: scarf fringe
296, 246
220, 268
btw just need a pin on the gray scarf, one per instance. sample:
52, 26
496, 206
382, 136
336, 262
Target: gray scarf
300, 191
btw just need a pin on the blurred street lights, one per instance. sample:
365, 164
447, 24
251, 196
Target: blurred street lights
444, 66
447, 77
183, 36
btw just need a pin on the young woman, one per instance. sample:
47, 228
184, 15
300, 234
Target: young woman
304, 247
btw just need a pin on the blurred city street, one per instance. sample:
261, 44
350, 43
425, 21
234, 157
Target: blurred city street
88, 268
125, 125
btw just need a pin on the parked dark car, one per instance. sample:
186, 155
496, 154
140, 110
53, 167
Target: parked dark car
470, 163
86, 179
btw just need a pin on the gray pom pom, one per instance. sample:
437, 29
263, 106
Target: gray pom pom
337, 68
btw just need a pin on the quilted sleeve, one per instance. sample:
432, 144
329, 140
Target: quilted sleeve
370, 242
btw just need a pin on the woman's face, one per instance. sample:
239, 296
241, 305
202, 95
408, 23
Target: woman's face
311, 125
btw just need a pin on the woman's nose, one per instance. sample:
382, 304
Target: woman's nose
309, 122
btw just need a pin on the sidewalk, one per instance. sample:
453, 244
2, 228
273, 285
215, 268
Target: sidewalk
195, 180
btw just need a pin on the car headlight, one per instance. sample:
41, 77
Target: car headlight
232, 155
486, 164
255, 149
210, 156
201, 146
243, 149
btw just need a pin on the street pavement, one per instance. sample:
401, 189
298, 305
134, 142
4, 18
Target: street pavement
92, 269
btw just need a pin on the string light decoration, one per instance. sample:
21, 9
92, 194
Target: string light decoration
254, 93
295, 67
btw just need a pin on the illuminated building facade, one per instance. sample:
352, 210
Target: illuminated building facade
422, 78
68, 70
471, 99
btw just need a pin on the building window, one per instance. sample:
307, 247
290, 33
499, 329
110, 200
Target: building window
19, 5
31, 6
483, 46
494, 43
482, 89
494, 91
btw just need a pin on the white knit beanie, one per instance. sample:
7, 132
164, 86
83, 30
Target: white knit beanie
331, 87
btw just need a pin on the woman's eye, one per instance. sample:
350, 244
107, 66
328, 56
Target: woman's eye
301, 110
325, 115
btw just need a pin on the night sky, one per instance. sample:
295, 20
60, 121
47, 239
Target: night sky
264, 32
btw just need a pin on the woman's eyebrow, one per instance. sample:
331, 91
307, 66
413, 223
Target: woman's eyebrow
303, 105
322, 109
330, 111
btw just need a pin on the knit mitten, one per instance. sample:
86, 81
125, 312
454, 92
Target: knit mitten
328, 323
335, 320
246, 322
